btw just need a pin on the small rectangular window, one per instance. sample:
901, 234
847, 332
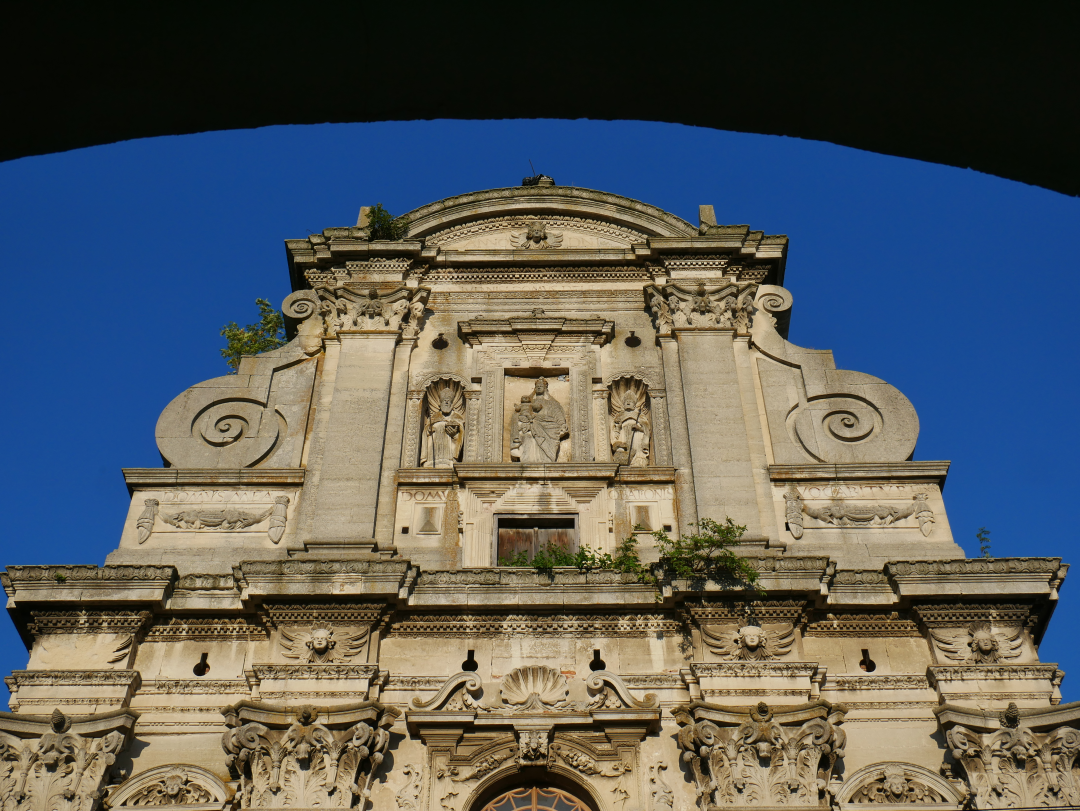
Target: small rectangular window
528, 533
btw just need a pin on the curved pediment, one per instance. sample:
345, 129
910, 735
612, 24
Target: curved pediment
581, 218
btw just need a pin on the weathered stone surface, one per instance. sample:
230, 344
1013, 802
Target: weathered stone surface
319, 602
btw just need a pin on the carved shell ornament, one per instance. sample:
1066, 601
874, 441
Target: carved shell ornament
536, 687
536, 235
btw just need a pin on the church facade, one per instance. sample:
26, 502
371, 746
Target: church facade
323, 599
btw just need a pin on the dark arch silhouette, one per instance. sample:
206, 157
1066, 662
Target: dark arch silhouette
963, 85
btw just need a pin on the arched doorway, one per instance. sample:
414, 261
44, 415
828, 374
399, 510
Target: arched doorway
536, 798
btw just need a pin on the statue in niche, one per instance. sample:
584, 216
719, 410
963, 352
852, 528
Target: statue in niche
538, 429
444, 429
631, 427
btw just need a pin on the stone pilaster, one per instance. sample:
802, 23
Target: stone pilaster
395, 439
682, 458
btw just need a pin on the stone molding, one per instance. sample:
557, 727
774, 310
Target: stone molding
978, 576
962, 614
940, 674
553, 329
755, 670
87, 622
334, 672
615, 625
153, 477
278, 614
323, 577
878, 683
205, 628
80, 584
73, 678
868, 624
884, 471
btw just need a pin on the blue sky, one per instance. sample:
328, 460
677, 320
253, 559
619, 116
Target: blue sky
124, 261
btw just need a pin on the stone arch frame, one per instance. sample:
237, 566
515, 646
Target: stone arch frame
867, 774
414, 416
511, 776
197, 774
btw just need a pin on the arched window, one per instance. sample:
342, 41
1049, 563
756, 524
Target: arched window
536, 798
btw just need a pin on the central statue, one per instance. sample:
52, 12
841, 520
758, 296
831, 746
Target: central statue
538, 428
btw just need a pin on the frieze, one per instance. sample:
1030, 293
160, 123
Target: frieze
278, 614
86, 622
206, 582
878, 683
292, 568
759, 610
671, 681
996, 672
64, 575
216, 519
530, 232
753, 669
414, 682
1048, 566
961, 614
80, 678
315, 671
206, 629
863, 624
516, 577
860, 577
192, 686
596, 625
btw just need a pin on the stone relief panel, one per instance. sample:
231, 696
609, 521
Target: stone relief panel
305, 757
898, 783
534, 233
444, 426
344, 308
319, 645
55, 764
750, 643
538, 430
630, 423
980, 643
205, 517
815, 508
180, 784
745, 756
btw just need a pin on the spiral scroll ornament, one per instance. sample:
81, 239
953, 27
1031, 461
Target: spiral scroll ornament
300, 305
835, 428
242, 429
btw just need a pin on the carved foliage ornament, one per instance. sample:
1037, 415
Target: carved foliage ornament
60, 769
840, 513
344, 309
308, 764
897, 784
756, 758
1017, 768
726, 307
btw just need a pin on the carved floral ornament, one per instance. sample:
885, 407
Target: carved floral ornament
896, 783
726, 307
58, 764
743, 756
323, 312
1029, 761
841, 513
305, 757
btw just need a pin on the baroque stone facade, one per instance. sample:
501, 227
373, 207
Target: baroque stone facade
312, 604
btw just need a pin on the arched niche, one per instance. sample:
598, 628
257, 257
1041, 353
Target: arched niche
630, 422
180, 785
556, 790
894, 784
442, 423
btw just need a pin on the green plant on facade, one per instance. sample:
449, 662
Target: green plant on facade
706, 553
254, 339
384, 225
984, 542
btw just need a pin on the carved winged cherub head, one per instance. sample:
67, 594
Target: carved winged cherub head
982, 641
537, 232
322, 641
751, 637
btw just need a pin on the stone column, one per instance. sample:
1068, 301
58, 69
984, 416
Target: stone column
600, 420
394, 438
348, 454
681, 457
661, 431
414, 424
723, 473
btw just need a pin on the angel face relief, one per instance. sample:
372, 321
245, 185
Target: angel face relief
536, 236
979, 644
319, 646
751, 643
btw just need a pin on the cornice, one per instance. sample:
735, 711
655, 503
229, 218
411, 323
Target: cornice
934, 471
210, 477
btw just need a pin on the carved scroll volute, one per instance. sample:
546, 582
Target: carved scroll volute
630, 422
302, 308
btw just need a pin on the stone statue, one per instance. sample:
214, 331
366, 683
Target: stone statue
444, 431
538, 428
631, 428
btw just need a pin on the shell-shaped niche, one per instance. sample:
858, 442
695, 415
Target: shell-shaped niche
534, 685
